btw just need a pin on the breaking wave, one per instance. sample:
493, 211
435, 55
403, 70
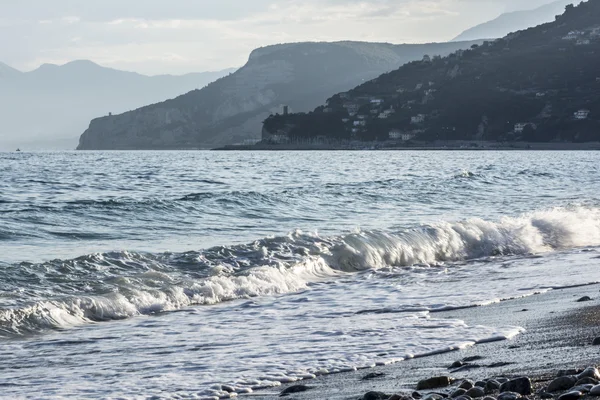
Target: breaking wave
65, 293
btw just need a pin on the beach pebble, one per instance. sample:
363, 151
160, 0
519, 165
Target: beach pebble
562, 383
502, 380
492, 385
519, 385
433, 396
416, 395
583, 388
464, 397
295, 389
595, 391
372, 375
546, 395
590, 372
489, 398
466, 384
475, 392
586, 381
436, 382
509, 396
480, 384
457, 393
584, 298
563, 372
573, 395
457, 364
376, 396
596, 341
398, 397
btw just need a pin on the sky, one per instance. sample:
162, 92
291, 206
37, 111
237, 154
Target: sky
179, 36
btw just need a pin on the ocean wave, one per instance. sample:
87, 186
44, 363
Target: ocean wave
99, 287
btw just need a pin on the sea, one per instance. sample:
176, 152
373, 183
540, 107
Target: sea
211, 275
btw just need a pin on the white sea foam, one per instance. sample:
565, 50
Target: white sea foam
292, 263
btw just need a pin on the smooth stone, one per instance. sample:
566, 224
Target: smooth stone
376, 396
457, 393
563, 372
433, 396
416, 395
464, 397
583, 388
595, 391
398, 397
546, 395
519, 385
456, 364
596, 342
502, 380
436, 382
509, 396
295, 389
562, 383
489, 398
584, 298
372, 375
589, 372
475, 392
472, 358
466, 384
586, 381
480, 384
492, 385
574, 395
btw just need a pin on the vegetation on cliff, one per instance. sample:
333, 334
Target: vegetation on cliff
540, 84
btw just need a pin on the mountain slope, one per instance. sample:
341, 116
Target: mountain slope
541, 84
515, 21
55, 103
300, 75
7, 71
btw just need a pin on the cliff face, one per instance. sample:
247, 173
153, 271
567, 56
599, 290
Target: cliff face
300, 75
537, 85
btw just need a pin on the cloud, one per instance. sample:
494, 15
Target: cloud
156, 36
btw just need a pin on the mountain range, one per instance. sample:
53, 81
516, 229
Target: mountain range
232, 109
515, 21
536, 85
50, 106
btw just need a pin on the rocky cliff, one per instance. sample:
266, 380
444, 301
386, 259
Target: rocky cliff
230, 110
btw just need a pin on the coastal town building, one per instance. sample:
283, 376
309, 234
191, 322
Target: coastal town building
417, 119
376, 101
520, 127
581, 114
395, 134
583, 42
351, 108
573, 35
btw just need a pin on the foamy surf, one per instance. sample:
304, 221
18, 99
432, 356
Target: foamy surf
129, 284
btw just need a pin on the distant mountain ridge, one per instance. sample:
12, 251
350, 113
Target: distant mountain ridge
55, 102
515, 21
230, 110
536, 85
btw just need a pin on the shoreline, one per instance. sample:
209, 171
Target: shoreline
436, 146
558, 335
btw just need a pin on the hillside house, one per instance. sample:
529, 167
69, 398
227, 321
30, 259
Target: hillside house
386, 113
573, 35
595, 32
376, 102
417, 119
360, 123
582, 114
520, 127
351, 108
395, 134
419, 86
583, 42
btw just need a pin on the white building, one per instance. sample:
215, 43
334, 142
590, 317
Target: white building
395, 134
583, 42
582, 114
417, 119
376, 102
360, 123
520, 127
386, 113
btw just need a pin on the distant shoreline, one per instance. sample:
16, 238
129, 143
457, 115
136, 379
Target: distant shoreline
437, 146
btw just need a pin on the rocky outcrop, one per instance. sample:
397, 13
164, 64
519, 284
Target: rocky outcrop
232, 109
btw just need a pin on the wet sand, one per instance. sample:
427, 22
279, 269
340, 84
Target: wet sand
559, 334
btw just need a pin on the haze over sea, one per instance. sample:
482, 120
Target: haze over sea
206, 274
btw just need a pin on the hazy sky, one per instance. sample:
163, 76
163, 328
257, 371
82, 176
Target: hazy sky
178, 36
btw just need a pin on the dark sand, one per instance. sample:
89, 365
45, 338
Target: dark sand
559, 333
